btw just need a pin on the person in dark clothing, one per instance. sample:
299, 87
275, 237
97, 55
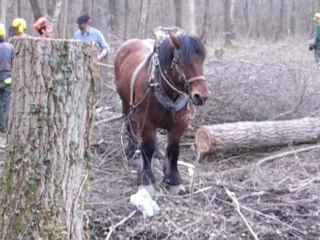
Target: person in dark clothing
316, 44
6, 55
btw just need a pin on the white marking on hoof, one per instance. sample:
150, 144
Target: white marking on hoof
150, 189
177, 190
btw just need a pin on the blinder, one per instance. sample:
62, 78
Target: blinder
182, 77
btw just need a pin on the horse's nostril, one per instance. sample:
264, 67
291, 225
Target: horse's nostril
197, 96
197, 99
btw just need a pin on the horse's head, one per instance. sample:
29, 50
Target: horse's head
184, 64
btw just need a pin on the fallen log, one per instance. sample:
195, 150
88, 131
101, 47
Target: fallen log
230, 136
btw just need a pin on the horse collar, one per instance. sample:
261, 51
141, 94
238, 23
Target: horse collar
156, 81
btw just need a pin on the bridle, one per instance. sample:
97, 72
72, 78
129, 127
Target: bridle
158, 76
175, 65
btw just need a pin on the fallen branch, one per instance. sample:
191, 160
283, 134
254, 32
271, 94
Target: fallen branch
177, 228
198, 156
304, 184
108, 120
237, 208
112, 228
274, 219
280, 155
104, 65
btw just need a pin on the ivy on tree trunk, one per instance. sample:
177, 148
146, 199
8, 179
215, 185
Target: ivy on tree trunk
48, 142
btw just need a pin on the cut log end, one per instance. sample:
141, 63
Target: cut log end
204, 142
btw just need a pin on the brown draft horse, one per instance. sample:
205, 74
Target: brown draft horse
155, 88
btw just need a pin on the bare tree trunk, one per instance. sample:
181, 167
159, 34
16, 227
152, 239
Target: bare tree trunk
65, 18
311, 24
232, 136
178, 13
3, 12
257, 20
232, 14
144, 13
92, 6
43, 7
115, 17
19, 7
126, 19
281, 20
12, 10
36, 9
57, 16
48, 149
50, 5
228, 26
245, 11
86, 7
70, 18
293, 18
189, 18
270, 33
206, 24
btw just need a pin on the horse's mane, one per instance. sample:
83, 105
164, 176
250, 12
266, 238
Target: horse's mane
189, 46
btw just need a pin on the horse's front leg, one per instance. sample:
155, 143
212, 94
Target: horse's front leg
145, 175
170, 169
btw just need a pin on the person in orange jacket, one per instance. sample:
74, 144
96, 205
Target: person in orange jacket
44, 27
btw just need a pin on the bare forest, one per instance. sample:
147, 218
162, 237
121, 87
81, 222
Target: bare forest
261, 182
266, 20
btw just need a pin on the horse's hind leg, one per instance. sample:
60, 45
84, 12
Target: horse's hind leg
130, 129
145, 175
131, 137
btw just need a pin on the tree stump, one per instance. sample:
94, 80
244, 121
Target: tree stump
231, 136
48, 143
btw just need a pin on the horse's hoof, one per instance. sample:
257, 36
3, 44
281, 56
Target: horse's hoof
150, 189
177, 190
172, 179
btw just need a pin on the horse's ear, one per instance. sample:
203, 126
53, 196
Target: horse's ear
175, 41
201, 36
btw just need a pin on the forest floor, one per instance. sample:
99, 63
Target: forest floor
278, 198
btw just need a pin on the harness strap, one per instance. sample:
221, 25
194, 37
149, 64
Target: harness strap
196, 78
133, 80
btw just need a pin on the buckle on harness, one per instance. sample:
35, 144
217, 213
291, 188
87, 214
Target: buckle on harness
154, 85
